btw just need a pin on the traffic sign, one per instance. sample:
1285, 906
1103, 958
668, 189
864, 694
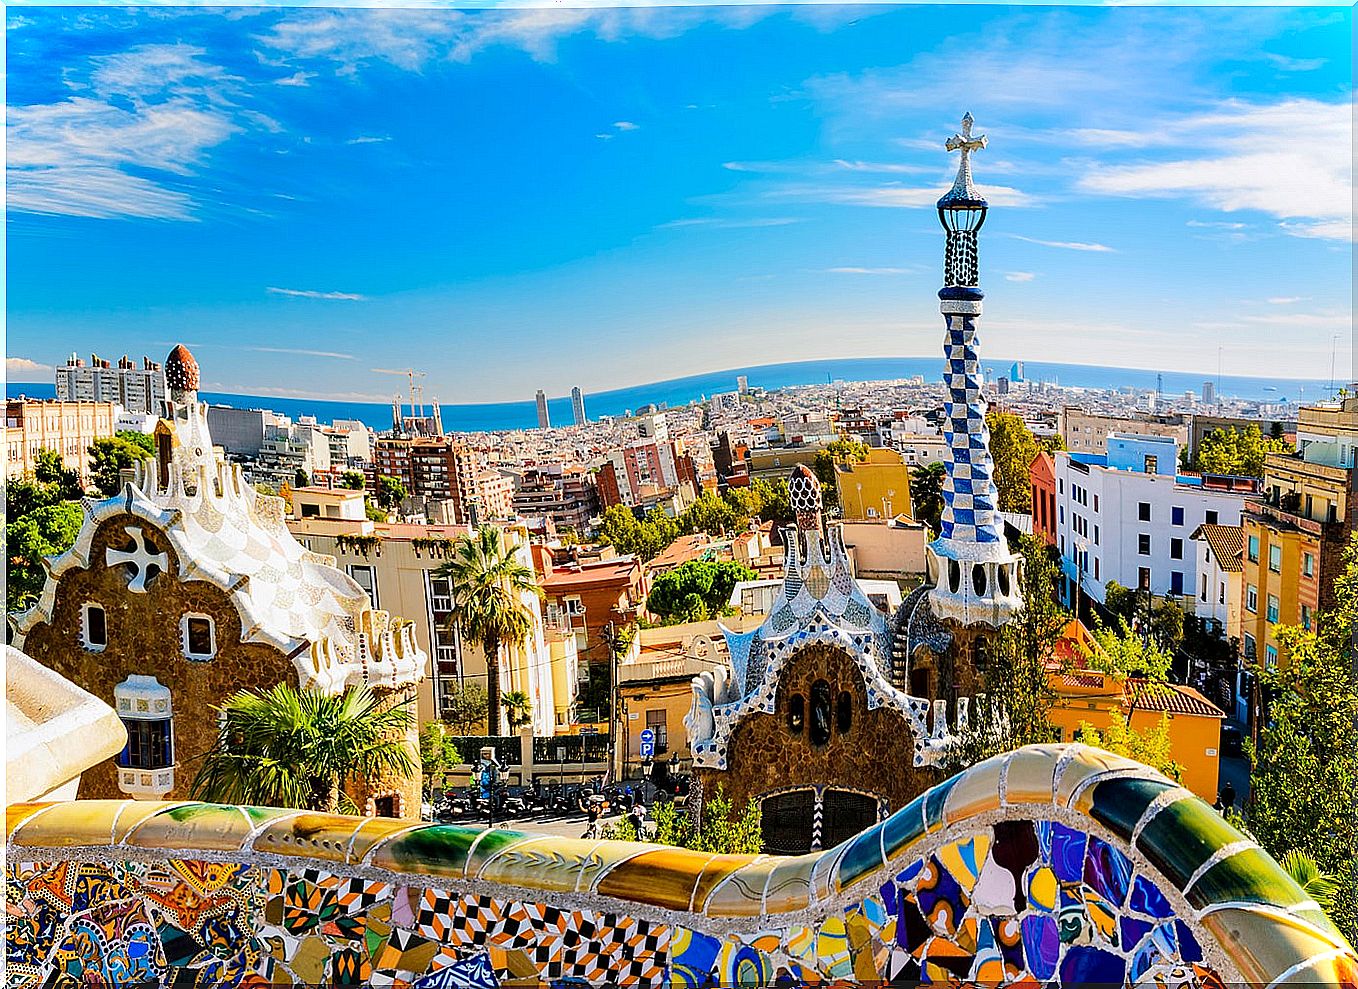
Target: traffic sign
647, 736
647, 750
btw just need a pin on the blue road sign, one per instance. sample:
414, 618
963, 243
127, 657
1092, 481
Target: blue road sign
647, 750
647, 736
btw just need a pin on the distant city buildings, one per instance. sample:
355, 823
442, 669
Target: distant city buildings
138, 389
577, 406
544, 417
66, 427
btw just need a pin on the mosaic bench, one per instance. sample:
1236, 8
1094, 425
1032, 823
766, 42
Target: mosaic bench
1053, 865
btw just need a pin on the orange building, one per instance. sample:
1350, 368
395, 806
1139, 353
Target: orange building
1042, 477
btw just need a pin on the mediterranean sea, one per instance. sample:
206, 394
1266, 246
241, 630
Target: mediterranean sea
680, 391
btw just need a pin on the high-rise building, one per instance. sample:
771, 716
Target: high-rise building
1209, 393
139, 390
1016, 371
578, 406
544, 419
742, 384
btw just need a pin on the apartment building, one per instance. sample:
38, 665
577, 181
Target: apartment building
585, 596
569, 497
1088, 432
1127, 516
876, 488
137, 388
65, 427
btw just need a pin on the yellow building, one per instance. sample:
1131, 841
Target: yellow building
397, 563
879, 487
68, 428
1084, 695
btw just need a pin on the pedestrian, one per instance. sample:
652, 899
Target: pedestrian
637, 815
592, 812
1226, 798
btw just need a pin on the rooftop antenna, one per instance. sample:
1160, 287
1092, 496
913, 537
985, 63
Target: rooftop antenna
1334, 344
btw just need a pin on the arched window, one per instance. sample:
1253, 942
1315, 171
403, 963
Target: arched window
844, 712
796, 714
820, 713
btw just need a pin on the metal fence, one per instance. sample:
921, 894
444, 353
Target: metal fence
587, 747
508, 749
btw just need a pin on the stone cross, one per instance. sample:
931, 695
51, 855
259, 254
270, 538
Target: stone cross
140, 559
964, 141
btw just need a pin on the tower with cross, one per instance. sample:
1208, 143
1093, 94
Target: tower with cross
975, 577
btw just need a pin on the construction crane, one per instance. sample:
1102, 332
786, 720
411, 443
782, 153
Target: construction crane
411, 374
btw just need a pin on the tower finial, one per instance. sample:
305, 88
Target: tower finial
962, 188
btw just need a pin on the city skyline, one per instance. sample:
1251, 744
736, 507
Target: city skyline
316, 195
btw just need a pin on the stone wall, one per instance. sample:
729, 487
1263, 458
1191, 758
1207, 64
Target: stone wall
1054, 864
873, 757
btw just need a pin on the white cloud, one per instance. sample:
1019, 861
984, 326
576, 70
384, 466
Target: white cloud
1069, 245
1019, 276
1312, 320
713, 223
1285, 300
302, 352
626, 125
299, 293
1289, 64
1216, 225
23, 369
367, 139
296, 79
1289, 160
871, 271
899, 196
604, 137
880, 166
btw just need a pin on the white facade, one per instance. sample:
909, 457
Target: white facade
1113, 524
1216, 591
137, 389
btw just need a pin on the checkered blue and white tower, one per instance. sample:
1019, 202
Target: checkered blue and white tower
975, 577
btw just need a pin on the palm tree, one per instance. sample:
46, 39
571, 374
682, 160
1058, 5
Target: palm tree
488, 582
285, 747
1314, 881
517, 707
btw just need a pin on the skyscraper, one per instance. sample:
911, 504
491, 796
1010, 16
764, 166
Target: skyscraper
578, 405
544, 420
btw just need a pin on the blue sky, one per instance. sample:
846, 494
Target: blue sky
515, 199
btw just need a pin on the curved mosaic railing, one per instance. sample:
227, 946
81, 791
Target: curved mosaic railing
1053, 864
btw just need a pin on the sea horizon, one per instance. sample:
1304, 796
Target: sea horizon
679, 392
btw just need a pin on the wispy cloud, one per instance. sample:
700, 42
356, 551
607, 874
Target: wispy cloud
871, 271
1068, 245
1285, 300
296, 79
880, 166
303, 352
1289, 160
1216, 225
625, 125
896, 196
1289, 64
1019, 276
300, 293
23, 369
713, 223
128, 139
368, 139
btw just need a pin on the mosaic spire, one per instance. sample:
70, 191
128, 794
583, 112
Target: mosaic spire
975, 576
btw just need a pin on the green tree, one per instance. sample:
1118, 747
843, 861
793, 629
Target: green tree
433, 755
285, 747
926, 493
711, 514
390, 492
695, 591
110, 456
375, 513
464, 707
45, 531
488, 582
1123, 653
722, 830
300, 479
64, 483
644, 538
1159, 619
774, 505
1017, 678
1237, 451
518, 708
353, 480
1321, 886
1013, 450
1150, 746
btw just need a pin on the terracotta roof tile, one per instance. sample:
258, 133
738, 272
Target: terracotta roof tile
1227, 542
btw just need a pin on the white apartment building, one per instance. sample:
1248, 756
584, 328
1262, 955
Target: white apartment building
1125, 516
136, 389
1217, 596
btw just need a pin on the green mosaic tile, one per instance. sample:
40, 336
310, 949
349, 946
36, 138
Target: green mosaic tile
1250, 876
1119, 803
1182, 837
439, 850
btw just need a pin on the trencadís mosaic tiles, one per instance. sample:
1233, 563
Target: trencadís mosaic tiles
1091, 870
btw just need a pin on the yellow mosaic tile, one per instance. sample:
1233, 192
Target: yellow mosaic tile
205, 827
609, 855
741, 893
664, 877
1264, 945
789, 885
371, 833
718, 868
1030, 773
319, 836
976, 792
79, 822
132, 813
1088, 763
16, 814
543, 863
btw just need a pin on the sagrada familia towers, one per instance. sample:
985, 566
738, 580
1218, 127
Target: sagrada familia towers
833, 713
